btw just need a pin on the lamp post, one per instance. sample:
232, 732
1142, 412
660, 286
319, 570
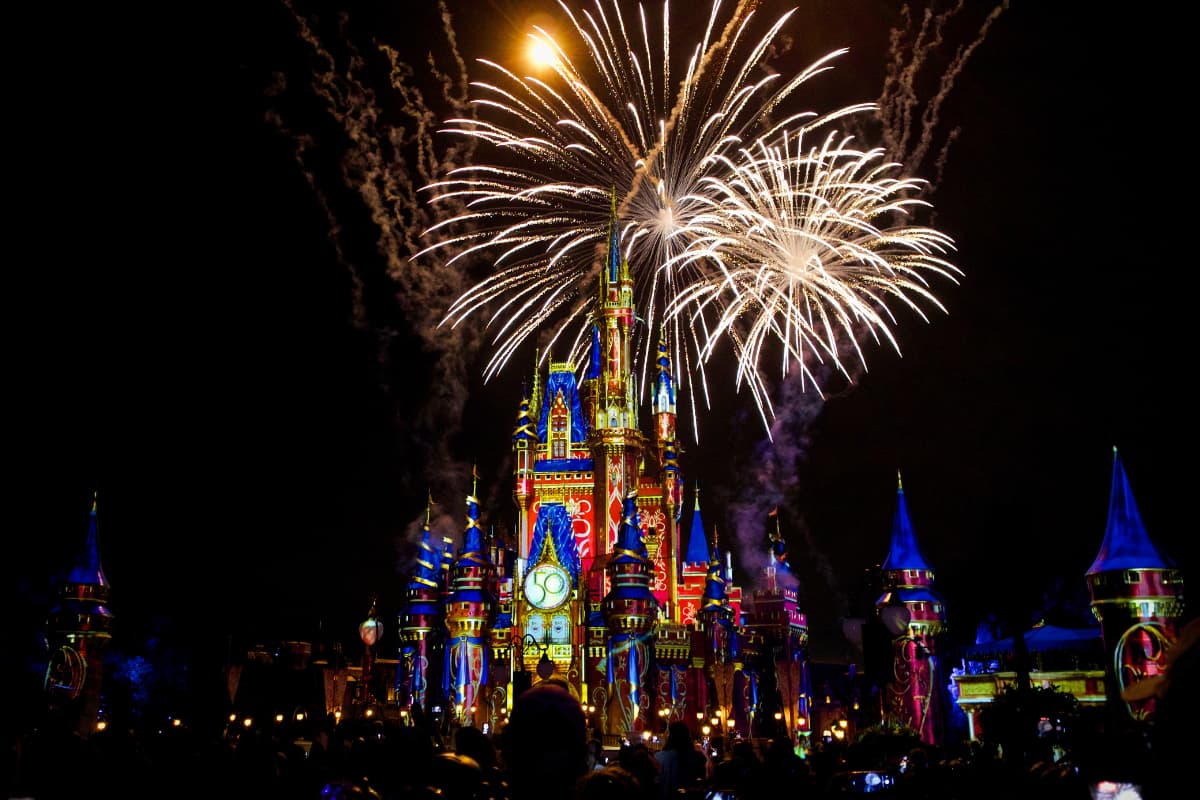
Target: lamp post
545, 667
370, 631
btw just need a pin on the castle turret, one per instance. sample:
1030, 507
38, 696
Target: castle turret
470, 612
913, 614
630, 611
775, 641
420, 624
717, 618
1137, 594
78, 631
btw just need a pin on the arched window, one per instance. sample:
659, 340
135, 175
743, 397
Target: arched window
560, 427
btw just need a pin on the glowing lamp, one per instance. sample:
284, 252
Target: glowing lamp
545, 667
370, 631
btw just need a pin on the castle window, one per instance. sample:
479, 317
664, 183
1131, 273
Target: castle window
560, 425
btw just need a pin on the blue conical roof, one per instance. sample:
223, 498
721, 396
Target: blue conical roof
1126, 543
524, 427
472, 550
428, 570
714, 583
630, 546
697, 551
87, 569
904, 553
633, 584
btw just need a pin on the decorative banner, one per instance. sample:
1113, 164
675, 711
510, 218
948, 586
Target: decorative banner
66, 672
787, 677
1141, 653
627, 677
467, 660
911, 692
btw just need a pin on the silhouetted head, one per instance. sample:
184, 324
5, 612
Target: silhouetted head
545, 743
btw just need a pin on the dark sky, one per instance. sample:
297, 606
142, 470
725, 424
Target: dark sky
187, 344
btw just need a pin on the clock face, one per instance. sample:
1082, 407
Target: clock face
547, 586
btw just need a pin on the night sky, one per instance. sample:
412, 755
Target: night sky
187, 344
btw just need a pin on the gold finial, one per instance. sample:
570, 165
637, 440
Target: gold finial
96, 495
899, 482
474, 479
428, 506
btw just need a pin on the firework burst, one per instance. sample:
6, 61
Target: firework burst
676, 151
812, 249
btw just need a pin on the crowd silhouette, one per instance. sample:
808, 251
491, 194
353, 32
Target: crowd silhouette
546, 752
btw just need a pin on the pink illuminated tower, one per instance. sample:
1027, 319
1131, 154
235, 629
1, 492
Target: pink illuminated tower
914, 615
1137, 594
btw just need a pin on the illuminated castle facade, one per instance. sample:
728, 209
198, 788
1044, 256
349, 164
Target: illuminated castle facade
600, 592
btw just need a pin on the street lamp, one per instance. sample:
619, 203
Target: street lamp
545, 667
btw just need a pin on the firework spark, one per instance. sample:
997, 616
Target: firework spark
566, 143
809, 256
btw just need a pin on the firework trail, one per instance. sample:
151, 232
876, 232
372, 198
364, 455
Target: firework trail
382, 166
614, 122
909, 124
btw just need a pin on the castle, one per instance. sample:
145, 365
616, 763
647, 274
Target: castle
597, 595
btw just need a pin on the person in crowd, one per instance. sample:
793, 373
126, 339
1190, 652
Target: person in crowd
544, 747
609, 782
681, 767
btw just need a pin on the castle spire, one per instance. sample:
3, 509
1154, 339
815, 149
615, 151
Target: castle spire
904, 552
1126, 544
420, 625
697, 552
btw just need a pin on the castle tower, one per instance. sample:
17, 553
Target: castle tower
470, 612
630, 612
668, 463
914, 615
777, 634
420, 625
1137, 594
617, 443
79, 628
717, 620
524, 443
